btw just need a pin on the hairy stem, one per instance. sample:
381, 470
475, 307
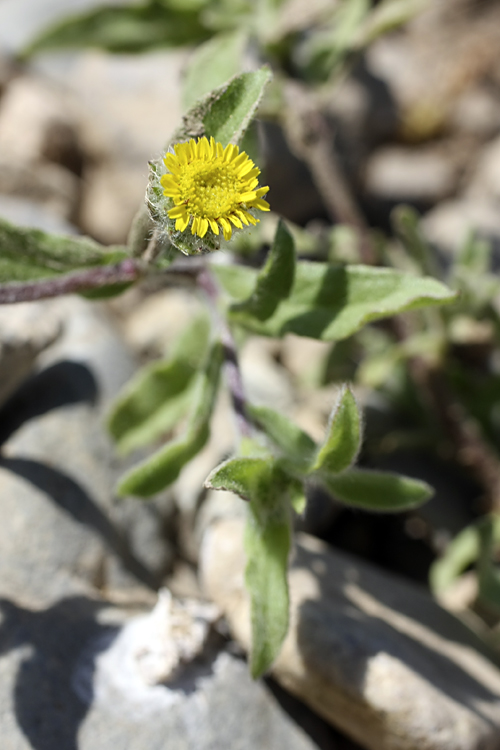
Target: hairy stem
80, 281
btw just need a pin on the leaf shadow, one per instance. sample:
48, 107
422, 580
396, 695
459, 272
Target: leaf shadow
328, 303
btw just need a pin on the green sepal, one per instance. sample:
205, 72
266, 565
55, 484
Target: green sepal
31, 254
163, 467
154, 400
331, 302
343, 436
377, 490
274, 281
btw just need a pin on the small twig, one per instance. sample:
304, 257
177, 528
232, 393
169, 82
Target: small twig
80, 281
310, 136
232, 371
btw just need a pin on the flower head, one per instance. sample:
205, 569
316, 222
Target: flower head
212, 187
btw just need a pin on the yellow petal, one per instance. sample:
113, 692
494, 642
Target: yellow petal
182, 223
202, 227
243, 216
214, 226
249, 170
261, 205
247, 197
226, 228
236, 221
262, 191
171, 162
229, 152
178, 211
195, 225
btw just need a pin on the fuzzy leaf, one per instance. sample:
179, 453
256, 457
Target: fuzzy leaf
211, 64
343, 437
160, 394
226, 112
295, 444
30, 254
377, 490
274, 281
132, 28
164, 466
267, 545
332, 302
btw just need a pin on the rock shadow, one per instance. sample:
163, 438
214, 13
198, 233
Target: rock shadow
61, 384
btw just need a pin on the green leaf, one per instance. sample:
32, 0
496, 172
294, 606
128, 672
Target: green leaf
377, 490
461, 552
30, 254
387, 16
274, 281
294, 443
132, 28
298, 497
343, 437
160, 394
164, 466
238, 281
226, 112
330, 302
212, 64
267, 545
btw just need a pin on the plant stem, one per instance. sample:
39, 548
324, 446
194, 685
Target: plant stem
232, 370
80, 281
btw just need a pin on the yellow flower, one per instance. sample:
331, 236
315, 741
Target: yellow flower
212, 185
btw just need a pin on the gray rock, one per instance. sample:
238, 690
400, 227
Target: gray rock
81, 674
30, 213
37, 161
424, 174
449, 223
62, 531
372, 654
